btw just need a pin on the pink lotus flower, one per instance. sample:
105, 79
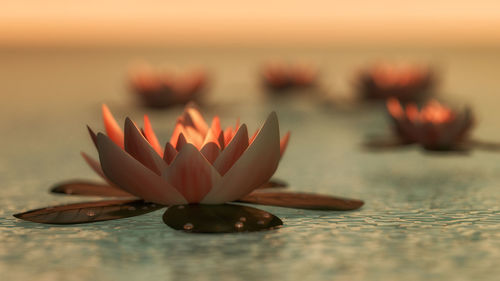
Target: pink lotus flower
200, 163
277, 76
161, 89
434, 126
405, 82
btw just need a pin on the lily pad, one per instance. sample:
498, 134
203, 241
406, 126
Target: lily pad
87, 188
302, 201
89, 212
389, 142
225, 218
274, 183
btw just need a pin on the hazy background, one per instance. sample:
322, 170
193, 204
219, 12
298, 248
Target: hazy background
427, 216
225, 22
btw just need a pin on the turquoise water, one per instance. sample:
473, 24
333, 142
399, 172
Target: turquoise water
427, 216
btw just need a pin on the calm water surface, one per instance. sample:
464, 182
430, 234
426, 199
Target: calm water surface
427, 216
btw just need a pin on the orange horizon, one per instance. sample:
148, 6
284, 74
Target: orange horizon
222, 22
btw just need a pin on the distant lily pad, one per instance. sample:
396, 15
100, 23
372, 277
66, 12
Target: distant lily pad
225, 218
302, 201
87, 188
89, 212
274, 183
389, 142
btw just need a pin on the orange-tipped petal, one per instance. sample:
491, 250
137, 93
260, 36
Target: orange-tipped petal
412, 112
196, 118
228, 135
255, 167
169, 154
215, 127
233, 151
151, 136
253, 136
237, 126
394, 108
137, 146
113, 131
211, 137
129, 174
191, 174
193, 136
284, 143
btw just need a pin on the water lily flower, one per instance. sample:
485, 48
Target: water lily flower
434, 126
194, 175
279, 76
161, 89
405, 82
200, 163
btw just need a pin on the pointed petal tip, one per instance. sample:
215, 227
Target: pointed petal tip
101, 136
129, 121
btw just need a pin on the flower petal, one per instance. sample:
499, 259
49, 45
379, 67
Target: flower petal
191, 174
175, 134
92, 136
169, 154
284, 143
233, 151
129, 174
195, 118
193, 136
137, 146
220, 140
181, 141
114, 131
150, 135
215, 127
255, 167
94, 165
228, 135
212, 137
210, 151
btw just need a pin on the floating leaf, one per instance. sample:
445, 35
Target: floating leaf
302, 201
384, 143
484, 145
225, 218
274, 183
89, 212
87, 188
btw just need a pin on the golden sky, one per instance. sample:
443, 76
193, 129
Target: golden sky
92, 22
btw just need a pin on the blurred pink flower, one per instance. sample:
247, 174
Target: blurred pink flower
434, 126
405, 82
161, 89
200, 163
279, 76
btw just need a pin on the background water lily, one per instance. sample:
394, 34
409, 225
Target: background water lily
159, 89
279, 76
434, 126
405, 82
